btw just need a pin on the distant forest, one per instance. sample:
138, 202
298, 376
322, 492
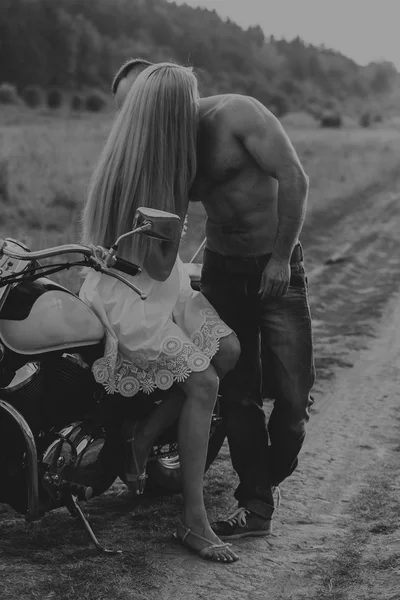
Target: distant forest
79, 44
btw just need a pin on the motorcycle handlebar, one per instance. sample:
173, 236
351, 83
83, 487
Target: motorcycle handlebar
97, 254
126, 267
48, 253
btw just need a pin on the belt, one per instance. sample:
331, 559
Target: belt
244, 264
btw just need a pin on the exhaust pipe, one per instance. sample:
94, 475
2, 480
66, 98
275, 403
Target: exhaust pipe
33, 512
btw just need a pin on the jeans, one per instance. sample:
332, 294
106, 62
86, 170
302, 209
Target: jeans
277, 356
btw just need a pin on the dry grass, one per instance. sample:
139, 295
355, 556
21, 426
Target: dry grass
46, 163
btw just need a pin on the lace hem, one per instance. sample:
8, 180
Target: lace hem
175, 362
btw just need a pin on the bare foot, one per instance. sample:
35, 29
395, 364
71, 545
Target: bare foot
203, 541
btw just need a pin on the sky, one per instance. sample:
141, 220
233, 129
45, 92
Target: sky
364, 30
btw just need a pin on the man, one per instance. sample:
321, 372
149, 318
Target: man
125, 76
254, 190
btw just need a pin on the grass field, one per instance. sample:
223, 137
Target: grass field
46, 161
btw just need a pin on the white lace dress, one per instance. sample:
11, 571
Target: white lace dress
154, 342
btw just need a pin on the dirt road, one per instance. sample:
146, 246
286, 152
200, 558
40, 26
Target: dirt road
336, 532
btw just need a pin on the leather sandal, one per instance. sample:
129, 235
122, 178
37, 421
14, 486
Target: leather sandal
212, 552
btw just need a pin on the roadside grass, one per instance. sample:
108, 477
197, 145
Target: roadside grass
370, 547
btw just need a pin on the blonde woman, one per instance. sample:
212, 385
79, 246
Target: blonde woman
174, 336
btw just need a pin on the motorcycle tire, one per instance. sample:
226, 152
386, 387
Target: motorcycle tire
164, 474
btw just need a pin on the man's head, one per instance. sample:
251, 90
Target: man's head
126, 76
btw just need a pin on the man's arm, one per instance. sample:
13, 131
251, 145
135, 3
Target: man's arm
265, 140
267, 143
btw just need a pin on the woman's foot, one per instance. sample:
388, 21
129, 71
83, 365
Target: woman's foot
203, 541
136, 456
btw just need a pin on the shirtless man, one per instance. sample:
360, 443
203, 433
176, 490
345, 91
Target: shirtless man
254, 190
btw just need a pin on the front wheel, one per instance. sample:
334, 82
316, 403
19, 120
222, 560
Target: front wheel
164, 471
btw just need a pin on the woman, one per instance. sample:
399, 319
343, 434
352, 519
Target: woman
174, 336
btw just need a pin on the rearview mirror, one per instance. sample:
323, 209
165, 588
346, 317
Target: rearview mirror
162, 225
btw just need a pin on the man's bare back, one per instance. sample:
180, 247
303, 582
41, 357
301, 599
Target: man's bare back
240, 200
238, 190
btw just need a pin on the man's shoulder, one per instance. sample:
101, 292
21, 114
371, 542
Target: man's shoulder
241, 100
226, 102
238, 114
244, 113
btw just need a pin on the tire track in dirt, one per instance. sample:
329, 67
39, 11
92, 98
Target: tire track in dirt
347, 296
348, 440
324, 228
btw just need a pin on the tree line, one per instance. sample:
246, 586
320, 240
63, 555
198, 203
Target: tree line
76, 45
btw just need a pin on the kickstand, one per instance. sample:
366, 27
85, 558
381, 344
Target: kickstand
76, 511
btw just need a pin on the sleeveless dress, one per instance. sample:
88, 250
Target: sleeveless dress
155, 342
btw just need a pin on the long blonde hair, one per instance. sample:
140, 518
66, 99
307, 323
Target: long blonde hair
148, 160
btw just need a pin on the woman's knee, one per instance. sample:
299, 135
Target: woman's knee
228, 353
203, 385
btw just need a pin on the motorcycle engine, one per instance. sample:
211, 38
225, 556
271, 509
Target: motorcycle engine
81, 454
69, 389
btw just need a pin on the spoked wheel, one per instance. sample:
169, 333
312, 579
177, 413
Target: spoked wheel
18, 463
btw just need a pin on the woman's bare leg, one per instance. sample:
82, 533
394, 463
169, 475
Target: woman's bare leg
227, 355
168, 411
165, 414
141, 436
194, 426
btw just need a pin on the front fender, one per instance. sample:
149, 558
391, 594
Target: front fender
33, 512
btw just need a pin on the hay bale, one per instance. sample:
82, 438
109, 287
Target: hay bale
95, 102
365, 119
32, 95
8, 94
331, 119
55, 98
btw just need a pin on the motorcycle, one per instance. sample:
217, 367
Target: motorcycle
61, 437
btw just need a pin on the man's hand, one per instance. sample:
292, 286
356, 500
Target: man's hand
275, 279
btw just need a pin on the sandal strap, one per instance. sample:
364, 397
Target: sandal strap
211, 547
210, 550
218, 546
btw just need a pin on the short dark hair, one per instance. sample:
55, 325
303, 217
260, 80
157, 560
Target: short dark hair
125, 69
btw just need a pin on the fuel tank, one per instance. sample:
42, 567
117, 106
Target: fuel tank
42, 316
